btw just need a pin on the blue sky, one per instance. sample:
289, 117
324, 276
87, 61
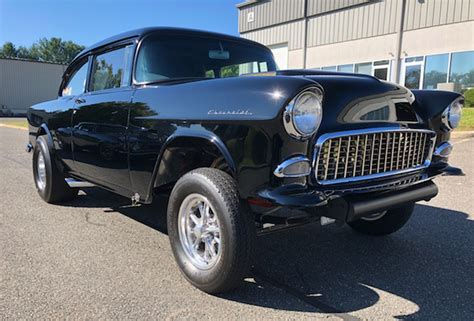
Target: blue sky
86, 22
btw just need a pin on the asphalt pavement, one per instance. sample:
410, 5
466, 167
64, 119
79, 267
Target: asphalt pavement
98, 258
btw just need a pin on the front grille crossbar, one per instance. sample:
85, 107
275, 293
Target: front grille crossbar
367, 154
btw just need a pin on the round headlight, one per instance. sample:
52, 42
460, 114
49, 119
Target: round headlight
303, 114
452, 114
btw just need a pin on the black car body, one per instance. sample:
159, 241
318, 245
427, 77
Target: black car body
378, 145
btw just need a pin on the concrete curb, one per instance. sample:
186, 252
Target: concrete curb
462, 134
13, 126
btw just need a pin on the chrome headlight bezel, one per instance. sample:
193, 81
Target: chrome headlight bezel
290, 119
451, 116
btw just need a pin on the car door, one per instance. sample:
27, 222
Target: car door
73, 85
100, 120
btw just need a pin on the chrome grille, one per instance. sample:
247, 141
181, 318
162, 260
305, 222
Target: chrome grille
360, 155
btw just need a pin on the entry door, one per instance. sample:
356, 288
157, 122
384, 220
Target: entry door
412, 76
280, 53
73, 86
100, 121
100, 137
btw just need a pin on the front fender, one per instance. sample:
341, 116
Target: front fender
206, 135
431, 103
192, 135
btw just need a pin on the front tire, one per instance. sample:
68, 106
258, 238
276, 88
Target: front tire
211, 238
384, 223
49, 180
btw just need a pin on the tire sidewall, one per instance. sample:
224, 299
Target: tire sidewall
391, 222
42, 147
199, 277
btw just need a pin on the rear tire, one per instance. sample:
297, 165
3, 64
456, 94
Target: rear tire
211, 237
49, 180
385, 223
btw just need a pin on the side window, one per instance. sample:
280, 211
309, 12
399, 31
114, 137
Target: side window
112, 69
77, 82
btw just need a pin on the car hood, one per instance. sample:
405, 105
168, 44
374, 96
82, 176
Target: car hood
347, 97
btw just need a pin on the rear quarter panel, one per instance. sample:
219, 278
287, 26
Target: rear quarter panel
53, 118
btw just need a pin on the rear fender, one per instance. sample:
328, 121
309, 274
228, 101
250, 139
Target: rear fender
43, 130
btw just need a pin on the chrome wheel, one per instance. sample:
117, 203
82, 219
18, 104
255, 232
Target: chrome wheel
374, 217
199, 231
41, 172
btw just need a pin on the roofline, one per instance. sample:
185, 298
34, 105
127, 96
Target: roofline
140, 33
32, 60
246, 3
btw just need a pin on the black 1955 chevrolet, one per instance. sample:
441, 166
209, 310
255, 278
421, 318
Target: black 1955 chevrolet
241, 147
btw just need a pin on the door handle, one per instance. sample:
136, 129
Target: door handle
79, 100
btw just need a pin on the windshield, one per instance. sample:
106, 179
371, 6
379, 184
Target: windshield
164, 58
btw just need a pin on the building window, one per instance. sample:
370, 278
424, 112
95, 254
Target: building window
436, 71
381, 73
413, 76
414, 59
381, 69
346, 68
364, 68
330, 68
462, 69
413, 72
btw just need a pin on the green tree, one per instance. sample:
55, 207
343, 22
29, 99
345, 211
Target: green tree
469, 98
230, 71
8, 50
50, 50
23, 52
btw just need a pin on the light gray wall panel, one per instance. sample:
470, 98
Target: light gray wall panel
375, 19
24, 83
291, 33
316, 7
432, 13
360, 19
268, 13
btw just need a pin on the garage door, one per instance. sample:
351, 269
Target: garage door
280, 52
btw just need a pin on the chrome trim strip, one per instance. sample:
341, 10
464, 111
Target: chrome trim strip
322, 139
445, 115
279, 171
397, 184
371, 176
73, 183
288, 121
442, 147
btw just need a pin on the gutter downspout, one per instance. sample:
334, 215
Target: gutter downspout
305, 34
398, 49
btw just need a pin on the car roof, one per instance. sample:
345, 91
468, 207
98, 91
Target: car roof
140, 33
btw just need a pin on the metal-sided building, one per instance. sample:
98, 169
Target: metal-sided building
24, 83
418, 43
